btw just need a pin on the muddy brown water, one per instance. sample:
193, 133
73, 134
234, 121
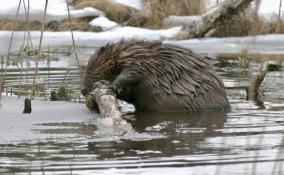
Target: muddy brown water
66, 138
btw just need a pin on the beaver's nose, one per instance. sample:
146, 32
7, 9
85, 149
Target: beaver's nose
84, 92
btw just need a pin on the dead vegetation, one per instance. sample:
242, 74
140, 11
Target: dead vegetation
114, 11
245, 24
152, 14
154, 11
78, 24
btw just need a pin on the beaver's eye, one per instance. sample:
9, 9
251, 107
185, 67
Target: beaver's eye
102, 50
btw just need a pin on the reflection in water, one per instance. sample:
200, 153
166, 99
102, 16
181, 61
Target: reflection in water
248, 140
259, 103
183, 132
67, 128
198, 119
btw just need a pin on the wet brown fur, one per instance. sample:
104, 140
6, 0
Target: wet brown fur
158, 77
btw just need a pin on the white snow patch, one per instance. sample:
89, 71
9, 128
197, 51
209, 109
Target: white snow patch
270, 7
103, 22
56, 10
132, 3
180, 20
268, 44
85, 39
135, 32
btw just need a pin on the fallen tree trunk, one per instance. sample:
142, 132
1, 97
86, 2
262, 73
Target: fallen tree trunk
205, 25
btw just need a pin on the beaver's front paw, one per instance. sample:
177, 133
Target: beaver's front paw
91, 103
117, 90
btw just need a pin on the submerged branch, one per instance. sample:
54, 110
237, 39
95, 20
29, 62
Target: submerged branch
253, 89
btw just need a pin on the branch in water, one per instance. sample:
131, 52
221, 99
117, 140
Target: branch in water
253, 89
104, 97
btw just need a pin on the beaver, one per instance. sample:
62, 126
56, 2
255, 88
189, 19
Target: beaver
155, 76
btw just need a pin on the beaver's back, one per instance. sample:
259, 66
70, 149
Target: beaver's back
176, 79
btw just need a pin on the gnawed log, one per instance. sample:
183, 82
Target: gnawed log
103, 97
201, 26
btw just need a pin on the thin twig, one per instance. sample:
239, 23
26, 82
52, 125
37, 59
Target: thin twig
11, 40
279, 16
29, 40
39, 47
74, 46
21, 53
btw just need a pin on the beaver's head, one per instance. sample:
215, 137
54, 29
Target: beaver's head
101, 66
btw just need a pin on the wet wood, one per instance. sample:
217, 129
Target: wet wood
106, 100
253, 89
205, 24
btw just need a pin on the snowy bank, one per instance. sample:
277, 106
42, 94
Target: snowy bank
85, 39
266, 44
103, 22
132, 3
180, 20
56, 10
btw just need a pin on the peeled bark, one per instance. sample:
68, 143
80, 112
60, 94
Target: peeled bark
103, 96
207, 22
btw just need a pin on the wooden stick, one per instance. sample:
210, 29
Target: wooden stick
253, 89
106, 100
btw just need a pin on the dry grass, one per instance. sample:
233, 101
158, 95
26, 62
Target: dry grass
152, 14
160, 9
80, 24
7, 24
114, 11
246, 24
156, 10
